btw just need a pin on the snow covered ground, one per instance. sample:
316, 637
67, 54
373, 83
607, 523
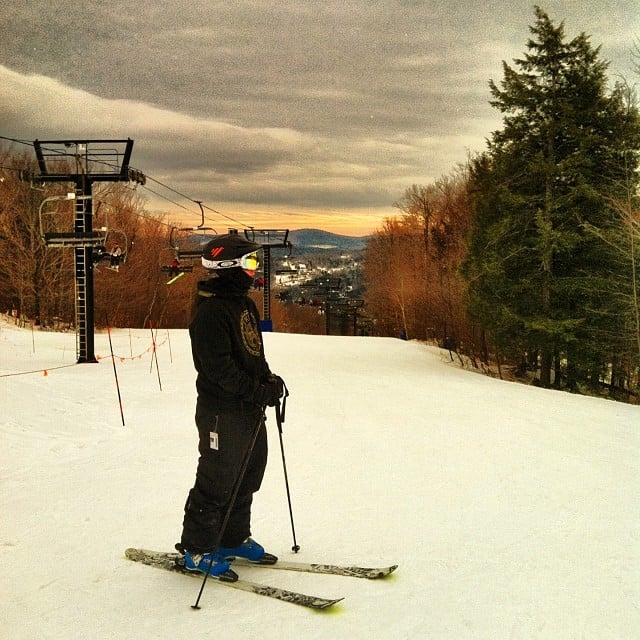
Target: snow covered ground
512, 511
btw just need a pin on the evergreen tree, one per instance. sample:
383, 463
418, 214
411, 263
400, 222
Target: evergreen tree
539, 277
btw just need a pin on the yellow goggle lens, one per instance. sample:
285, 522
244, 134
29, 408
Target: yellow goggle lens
250, 262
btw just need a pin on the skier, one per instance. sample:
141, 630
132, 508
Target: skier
174, 269
98, 253
114, 260
234, 385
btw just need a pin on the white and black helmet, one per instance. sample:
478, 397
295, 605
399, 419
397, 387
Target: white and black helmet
229, 251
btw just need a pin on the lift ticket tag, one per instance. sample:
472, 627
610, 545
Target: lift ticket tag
213, 440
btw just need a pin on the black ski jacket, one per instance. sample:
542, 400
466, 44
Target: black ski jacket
227, 347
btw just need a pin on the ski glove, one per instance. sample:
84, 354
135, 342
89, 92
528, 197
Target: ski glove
270, 391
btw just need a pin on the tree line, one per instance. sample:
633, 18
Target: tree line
528, 255
37, 282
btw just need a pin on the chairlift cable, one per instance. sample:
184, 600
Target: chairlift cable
159, 195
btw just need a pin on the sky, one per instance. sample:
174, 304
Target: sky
288, 114
511, 511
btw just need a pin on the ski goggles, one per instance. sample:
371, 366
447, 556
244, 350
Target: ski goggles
249, 262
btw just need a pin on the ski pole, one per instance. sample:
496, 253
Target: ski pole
232, 500
279, 420
115, 371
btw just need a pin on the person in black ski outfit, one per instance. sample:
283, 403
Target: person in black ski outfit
234, 385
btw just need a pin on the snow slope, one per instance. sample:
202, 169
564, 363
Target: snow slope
512, 511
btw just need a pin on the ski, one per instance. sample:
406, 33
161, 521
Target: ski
171, 562
175, 278
372, 573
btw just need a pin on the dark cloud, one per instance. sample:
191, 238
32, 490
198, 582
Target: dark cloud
339, 104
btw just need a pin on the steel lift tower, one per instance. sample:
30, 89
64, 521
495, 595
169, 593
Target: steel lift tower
83, 162
269, 239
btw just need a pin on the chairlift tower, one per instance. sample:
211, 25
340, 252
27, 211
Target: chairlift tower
338, 313
269, 239
83, 162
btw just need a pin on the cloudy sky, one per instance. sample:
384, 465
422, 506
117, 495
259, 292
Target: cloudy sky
280, 113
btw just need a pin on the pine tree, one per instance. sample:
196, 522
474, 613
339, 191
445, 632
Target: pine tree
539, 277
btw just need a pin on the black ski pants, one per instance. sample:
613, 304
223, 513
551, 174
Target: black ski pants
224, 438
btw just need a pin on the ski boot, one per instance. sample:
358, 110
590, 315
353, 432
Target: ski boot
250, 550
212, 563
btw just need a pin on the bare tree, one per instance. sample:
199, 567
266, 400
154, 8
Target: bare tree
34, 279
411, 264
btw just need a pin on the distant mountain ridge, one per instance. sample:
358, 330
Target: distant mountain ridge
316, 239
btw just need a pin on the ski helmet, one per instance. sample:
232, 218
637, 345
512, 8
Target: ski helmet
229, 251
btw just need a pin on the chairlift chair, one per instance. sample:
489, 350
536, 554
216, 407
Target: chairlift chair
108, 251
188, 242
175, 267
72, 239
